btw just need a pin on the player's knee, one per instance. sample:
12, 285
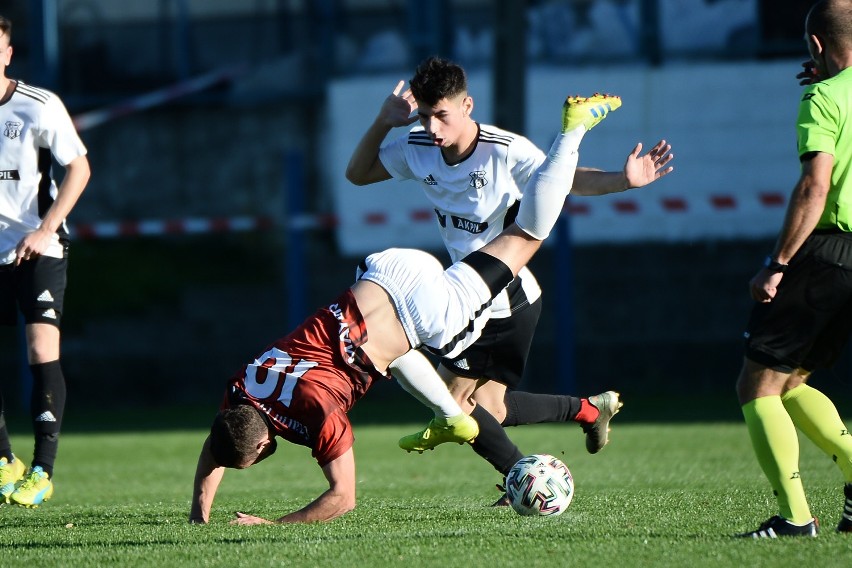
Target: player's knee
462, 388
42, 343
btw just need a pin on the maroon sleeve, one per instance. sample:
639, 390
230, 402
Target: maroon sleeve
334, 438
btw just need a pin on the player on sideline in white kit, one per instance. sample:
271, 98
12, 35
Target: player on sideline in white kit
34, 258
303, 385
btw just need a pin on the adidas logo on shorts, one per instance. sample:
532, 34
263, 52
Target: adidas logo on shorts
45, 296
462, 364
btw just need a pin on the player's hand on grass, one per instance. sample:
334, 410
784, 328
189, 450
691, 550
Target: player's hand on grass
397, 108
640, 170
243, 519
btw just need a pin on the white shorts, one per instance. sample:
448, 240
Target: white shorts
442, 310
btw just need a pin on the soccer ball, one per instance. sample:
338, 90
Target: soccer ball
540, 484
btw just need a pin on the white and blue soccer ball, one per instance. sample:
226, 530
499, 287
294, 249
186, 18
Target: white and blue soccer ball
540, 484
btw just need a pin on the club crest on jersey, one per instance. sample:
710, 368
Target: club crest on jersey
12, 129
477, 180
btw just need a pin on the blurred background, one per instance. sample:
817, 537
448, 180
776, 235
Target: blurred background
218, 215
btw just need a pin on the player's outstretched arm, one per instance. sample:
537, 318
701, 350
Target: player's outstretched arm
639, 170
364, 166
336, 501
208, 476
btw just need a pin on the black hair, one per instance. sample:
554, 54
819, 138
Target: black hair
435, 79
234, 435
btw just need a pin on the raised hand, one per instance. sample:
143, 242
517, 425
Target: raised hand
397, 109
641, 170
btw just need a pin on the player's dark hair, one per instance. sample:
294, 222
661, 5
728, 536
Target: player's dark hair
435, 79
831, 20
234, 435
6, 27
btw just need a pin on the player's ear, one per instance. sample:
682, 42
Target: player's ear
467, 105
816, 44
266, 448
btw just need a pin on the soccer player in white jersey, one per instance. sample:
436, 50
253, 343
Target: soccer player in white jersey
304, 384
35, 129
475, 175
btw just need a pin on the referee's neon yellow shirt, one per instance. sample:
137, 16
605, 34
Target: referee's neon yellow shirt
823, 126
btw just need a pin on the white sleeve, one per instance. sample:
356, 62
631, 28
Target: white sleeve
394, 159
57, 132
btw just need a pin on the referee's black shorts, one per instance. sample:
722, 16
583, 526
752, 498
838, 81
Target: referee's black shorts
809, 321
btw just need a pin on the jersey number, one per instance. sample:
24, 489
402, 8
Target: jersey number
274, 368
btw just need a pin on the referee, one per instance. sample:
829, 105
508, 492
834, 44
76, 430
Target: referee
802, 317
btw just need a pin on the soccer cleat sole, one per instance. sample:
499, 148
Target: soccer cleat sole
587, 111
42, 501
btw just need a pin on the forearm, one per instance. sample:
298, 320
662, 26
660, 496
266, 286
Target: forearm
326, 507
208, 476
597, 182
802, 216
807, 204
366, 154
76, 177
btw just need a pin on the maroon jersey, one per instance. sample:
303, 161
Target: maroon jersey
307, 381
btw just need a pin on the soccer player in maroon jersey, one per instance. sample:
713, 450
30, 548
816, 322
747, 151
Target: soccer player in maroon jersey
302, 386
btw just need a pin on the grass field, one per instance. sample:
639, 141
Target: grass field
659, 495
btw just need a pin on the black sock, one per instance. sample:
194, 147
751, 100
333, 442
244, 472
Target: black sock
5, 443
492, 443
46, 408
531, 408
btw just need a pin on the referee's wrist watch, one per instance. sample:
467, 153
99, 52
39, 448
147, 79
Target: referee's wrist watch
773, 265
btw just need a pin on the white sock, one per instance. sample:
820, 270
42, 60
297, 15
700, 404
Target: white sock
547, 189
419, 378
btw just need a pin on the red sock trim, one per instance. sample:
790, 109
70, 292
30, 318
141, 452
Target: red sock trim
588, 412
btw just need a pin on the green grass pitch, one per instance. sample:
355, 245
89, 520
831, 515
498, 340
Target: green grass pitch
658, 495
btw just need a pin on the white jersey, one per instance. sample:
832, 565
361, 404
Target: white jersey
35, 125
474, 199
442, 310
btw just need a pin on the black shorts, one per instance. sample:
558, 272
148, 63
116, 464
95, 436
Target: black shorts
809, 321
500, 354
36, 287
